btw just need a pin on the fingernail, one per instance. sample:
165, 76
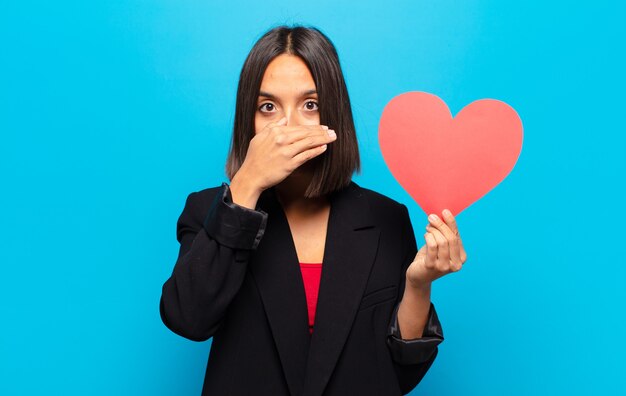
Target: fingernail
433, 217
447, 212
324, 127
332, 133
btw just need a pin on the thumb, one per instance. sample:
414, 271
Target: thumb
422, 251
281, 122
270, 125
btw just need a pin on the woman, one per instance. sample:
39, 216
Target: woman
308, 283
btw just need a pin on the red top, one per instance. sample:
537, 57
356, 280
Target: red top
311, 275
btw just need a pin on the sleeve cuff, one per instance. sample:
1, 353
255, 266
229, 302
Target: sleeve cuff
234, 225
416, 350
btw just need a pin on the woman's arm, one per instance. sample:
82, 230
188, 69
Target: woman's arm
442, 254
413, 311
417, 330
211, 264
412, 356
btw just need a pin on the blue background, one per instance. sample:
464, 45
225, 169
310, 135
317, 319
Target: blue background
112, 112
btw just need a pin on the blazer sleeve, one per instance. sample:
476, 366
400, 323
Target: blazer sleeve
412, 357
211, 264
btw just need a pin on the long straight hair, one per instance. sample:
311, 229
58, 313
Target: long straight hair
333, 169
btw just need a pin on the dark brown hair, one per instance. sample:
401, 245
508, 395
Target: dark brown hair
334, 168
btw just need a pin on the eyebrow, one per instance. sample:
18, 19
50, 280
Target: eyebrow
304, 93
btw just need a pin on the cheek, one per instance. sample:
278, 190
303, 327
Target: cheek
260, 122
316, 119
309, 118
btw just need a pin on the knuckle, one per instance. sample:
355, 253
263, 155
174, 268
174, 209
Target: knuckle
279, 138
284, 153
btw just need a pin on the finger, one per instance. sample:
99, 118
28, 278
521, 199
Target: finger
448, 217
455, 259
454, 242
431, 250
293, 137
442, 242
462, 252
457, 251
282, 127
310, 142
306, 155
441, 226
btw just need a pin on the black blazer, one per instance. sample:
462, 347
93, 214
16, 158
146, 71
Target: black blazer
237, 279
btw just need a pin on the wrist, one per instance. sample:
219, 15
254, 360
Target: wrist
418, 286
244, 192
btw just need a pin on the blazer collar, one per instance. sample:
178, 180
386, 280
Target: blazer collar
350, 249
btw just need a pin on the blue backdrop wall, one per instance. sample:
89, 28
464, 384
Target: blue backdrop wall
112, 112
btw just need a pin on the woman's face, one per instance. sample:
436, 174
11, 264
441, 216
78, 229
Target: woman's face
287, 90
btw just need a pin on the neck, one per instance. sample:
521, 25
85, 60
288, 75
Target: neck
290, 193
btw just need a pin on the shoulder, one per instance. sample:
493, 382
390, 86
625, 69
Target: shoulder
380, 204
390, 215
377, 199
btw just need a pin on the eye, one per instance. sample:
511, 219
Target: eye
311, 105
267, 108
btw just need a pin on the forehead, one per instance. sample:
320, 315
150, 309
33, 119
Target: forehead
286, 72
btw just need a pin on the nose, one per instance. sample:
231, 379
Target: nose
293, 116
289, 114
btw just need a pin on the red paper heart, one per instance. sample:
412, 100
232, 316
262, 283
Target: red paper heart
445, 162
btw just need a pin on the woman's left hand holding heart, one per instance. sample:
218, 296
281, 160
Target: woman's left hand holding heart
442, 254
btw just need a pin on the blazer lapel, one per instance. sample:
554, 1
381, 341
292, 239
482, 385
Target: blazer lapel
351, 246
275, 268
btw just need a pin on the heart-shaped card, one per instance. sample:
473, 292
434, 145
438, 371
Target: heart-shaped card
445, 162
